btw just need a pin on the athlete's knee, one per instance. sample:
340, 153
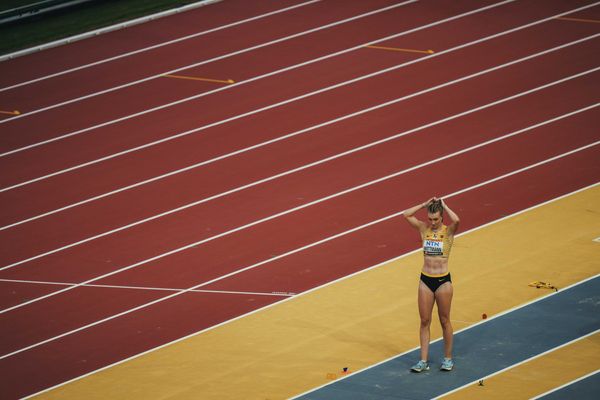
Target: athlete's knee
425, 322
445, 321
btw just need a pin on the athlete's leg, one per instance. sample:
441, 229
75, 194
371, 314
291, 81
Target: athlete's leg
443, 298
425, 299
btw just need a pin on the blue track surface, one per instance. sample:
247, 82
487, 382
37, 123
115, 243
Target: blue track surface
588, 388
479, 351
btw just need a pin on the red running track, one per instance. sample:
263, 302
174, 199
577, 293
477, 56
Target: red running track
29, 200
79, 223
206, 262
112, 44
219, 106
157, 62
88, 344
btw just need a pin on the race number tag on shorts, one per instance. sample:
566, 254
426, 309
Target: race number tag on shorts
433, 247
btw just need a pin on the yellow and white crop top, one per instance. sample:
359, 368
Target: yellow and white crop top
437, 243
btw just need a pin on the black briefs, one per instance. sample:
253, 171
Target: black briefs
433, 283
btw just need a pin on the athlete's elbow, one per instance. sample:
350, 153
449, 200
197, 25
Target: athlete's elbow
408, 217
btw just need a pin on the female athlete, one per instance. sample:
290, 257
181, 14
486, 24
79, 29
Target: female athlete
435, 285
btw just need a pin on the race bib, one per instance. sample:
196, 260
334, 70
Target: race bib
433, 247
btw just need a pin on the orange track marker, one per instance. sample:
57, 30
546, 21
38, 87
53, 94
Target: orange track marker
194, 78
402, 50
16, 112
593, 21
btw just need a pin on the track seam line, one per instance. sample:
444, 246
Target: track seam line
338, 280
497, 178
228, 55
379, 106
272, 106
259, 77
163, 289
519, 363
239, 188
167, 43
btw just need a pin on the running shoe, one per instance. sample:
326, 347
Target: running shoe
420, 366
447, 364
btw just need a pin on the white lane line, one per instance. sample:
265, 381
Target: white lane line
520, 363
237, 189
292, 210
379, 106
195, 130
245, 269
276, 294
156, 46
566, 384
272, 106
228, 87
222, 57
160, 289
35, 282
309, 291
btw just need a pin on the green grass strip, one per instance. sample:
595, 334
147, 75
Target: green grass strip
75, 20
10, 4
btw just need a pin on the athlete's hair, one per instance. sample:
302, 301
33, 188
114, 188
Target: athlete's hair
436, 206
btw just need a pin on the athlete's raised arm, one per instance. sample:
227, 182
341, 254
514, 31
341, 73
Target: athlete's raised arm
409, 215
453, 227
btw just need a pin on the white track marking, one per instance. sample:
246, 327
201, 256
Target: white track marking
292, 210
237, 189
156, 46
204, 127
309, 291
102, 159
296, 208
391, 102
160, 289
218, 58
247, 268
228, 87
566, 384
520, 363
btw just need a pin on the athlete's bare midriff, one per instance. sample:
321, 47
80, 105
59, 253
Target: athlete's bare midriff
435, 265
